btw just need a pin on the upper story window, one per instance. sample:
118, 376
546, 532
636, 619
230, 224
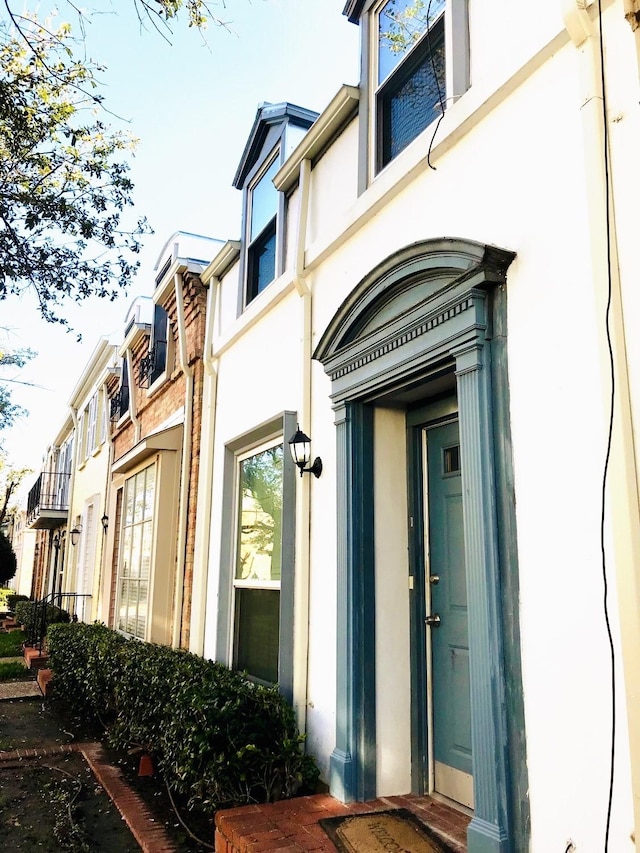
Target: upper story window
92, 418
276, 130
261, 238
120, 401
417, 66
154, 363
411, 81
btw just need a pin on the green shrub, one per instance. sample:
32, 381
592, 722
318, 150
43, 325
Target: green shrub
216, 737
13, 598
86, 661
28, 611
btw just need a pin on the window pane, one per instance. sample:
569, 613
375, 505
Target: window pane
145, 560
401, 23
135, 552
262, 262
150, 491
257, 630
260, 534
264, 200
138, 497
411, 103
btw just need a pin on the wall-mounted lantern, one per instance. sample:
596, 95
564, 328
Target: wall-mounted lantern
104, 521
75, 535
300, 447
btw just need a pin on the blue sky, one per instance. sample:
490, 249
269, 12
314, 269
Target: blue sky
191, 104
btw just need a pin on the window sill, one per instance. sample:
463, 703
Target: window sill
126, 418
157, 384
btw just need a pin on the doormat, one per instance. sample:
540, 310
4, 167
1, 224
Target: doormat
394, 831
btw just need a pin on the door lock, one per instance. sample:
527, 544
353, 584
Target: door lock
434, 579
433, 621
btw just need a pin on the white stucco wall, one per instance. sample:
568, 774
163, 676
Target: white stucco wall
511, 174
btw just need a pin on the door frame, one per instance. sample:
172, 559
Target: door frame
432, 304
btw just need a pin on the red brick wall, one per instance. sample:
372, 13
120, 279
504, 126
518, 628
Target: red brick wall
152, 411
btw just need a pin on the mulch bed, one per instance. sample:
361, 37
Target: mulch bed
50, 724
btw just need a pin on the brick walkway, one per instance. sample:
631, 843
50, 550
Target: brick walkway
292, 826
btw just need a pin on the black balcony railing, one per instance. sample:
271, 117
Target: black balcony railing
50, 493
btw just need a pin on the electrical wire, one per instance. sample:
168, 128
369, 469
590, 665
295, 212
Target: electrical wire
437, 81
610, 428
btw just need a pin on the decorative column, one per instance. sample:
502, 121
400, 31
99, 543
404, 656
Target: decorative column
488, 831
342, 775
353, 761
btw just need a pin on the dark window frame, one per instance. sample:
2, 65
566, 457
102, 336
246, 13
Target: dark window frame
421, 54
272, 229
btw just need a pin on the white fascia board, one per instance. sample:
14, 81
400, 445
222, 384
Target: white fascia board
168, 439
178, 267
94, 371
225, 258
328, 125
137, 331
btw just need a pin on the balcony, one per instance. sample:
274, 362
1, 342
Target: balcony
48, 501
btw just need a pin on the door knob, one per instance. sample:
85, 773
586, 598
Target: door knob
434, 579
434, 620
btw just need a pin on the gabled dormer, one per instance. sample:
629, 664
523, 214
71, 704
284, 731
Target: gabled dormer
276, 131
414, 65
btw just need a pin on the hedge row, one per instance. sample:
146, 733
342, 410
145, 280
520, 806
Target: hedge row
216, 737
28, 611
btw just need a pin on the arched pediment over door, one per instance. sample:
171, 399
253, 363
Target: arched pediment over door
405, 314
434, 312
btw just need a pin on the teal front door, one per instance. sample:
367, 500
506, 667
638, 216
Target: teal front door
447, 627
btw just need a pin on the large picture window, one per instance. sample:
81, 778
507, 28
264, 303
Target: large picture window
135, 552
411, 77
258, 564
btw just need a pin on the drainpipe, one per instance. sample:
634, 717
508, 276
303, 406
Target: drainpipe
303, 492
205, 476
186, 463
622, 493
133, 409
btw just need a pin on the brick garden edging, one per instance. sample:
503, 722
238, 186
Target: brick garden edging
150, 835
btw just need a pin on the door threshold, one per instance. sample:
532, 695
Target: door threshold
447, 801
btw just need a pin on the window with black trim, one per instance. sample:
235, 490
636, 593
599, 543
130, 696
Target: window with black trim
261, 230
119, 405
154, 363
410, 72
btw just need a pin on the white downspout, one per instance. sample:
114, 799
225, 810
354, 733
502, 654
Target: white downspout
303, 492
622, 493
205, 477
186, 464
